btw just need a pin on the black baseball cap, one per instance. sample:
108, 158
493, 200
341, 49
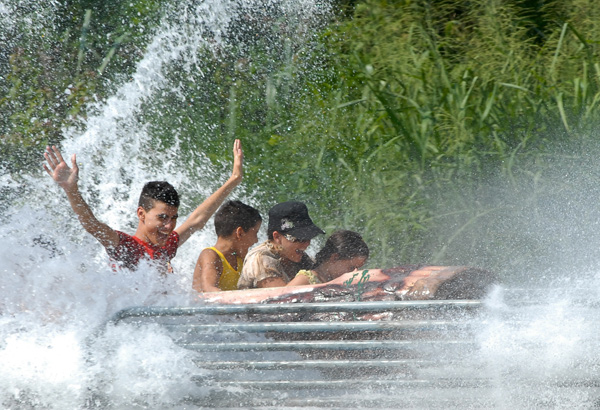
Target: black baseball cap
292, 218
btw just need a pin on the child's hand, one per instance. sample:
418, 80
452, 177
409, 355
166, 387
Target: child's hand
238, 160
58, 169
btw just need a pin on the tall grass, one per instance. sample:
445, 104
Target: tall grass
433, 128
450, 100
430, 127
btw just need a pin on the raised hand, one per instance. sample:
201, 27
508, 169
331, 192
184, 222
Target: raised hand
206, 209
238, 162
58, 169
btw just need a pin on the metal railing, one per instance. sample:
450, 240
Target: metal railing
416, 354
249, 309
314, 354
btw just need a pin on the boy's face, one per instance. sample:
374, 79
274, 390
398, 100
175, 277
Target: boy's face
248, 238
157, 223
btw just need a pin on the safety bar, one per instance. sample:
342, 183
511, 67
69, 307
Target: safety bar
335, 345
296, 327
344, 384
312, 364
352, 307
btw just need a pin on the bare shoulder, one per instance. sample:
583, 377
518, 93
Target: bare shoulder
209, 256
207, 271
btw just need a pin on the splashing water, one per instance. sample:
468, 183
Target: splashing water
57, 287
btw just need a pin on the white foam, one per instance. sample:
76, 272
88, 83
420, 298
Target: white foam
57, 288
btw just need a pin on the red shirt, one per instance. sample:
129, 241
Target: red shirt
131, 250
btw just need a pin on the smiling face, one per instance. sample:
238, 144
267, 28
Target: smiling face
156, 224
290, 249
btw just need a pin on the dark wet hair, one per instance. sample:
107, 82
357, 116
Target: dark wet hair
234, 214
158, 191
347, 244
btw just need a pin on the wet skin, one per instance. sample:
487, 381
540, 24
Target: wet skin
293, 250
247, 239
342, 266
157, 223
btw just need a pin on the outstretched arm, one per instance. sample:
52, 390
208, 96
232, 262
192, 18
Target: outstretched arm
67, 178
202, 214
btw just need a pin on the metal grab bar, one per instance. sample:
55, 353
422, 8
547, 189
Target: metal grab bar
298, 327
353, 307
340, 345
278, 385
311, 364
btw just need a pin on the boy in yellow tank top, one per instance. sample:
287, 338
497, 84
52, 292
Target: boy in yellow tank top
218, 267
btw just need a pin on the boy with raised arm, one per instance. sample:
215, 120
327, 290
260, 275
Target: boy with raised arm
156, 237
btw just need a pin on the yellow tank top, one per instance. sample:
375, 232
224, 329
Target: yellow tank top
312, 278
229, 278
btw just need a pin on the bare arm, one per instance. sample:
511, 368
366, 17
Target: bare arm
352, 278
207, 272
430, 281
202, 214
67, 178
271, 283
299, 280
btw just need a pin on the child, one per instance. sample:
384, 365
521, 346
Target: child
344, 251
156, 237
218, 268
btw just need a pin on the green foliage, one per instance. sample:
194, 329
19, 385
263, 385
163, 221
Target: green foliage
406, 122
55, 75
450, 97
424, 125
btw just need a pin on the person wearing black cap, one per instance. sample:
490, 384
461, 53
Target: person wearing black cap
276, 261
